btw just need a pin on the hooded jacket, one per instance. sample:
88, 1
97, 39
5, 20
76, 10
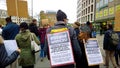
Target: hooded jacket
27, 58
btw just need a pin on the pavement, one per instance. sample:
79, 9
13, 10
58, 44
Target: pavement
46, 64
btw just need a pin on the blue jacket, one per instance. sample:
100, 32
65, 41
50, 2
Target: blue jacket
4, 59
10, 31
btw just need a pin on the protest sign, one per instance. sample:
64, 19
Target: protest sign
94, 56
60, 49
10, 46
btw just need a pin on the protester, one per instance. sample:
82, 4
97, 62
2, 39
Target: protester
62, 23
76, 27
109, 48
42, 34
27, 57
33, 27
5, 60
9, 32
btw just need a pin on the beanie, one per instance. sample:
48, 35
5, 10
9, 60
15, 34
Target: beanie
61, 15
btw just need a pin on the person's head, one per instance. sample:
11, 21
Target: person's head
23, 26
34, 21
88, 23
61, 16
109, 26
76, 25
8, 19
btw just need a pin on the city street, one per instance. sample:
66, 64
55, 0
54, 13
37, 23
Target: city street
46, 64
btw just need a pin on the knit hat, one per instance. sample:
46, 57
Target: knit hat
61, 15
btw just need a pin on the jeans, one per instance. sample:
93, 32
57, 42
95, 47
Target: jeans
42, 53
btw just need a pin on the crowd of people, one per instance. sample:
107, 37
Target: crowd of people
78, 34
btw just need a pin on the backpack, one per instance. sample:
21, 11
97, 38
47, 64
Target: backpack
114, 38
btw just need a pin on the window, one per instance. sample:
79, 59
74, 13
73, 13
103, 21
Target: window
91, 17
105, 2
91, 8
88, 9
97, 5
92, 1
88, 17
101, 3
110, 0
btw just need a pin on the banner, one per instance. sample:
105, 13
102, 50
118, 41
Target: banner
60, 48
94, 56
17, 8
10, 46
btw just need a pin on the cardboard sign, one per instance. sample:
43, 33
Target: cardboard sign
60, 49
94, 56
10, 46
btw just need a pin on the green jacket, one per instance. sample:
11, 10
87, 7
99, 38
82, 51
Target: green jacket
27, 58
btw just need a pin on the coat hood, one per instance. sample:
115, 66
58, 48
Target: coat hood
25, 35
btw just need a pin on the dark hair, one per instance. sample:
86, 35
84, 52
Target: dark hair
110, 26
34, 20
88, 23
24, 25
61, 15
8, 19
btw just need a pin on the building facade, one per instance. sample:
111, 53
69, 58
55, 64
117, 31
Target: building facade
106, 12
85, 11
106, 9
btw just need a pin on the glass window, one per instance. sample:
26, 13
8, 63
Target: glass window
105, 2
101, 3
97, 5
110, 0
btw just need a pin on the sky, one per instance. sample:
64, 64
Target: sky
67, 6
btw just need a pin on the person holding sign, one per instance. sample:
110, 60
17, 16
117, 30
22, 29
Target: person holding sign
5, 60
62, 30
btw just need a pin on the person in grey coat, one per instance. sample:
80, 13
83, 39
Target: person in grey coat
62, 23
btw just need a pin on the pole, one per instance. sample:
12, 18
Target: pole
17, 11
32, 8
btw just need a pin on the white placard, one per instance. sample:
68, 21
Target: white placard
10, 46
60, 49
94, 56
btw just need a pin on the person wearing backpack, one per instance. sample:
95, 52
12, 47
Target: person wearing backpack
108, 47
62, 23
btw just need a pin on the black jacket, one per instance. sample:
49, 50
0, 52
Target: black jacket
33, 28
4, 58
